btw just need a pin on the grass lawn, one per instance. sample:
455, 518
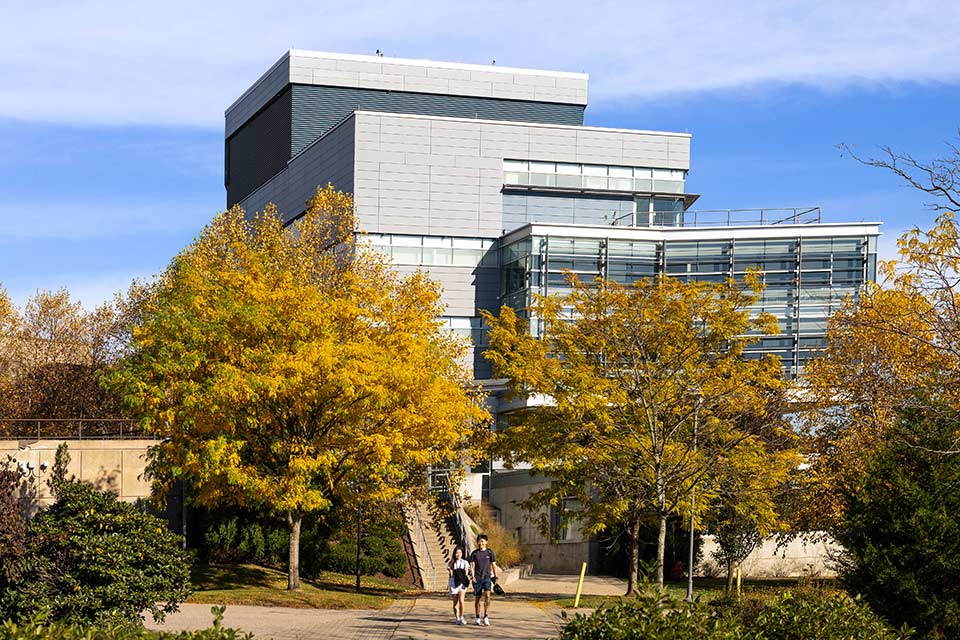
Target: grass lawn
255, 585
705, 590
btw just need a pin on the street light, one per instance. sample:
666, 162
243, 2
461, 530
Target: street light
693, 496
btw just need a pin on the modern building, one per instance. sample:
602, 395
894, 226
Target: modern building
487, 177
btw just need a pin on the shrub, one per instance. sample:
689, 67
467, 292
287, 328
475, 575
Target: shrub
504, 545
243, 538
901, 528
93, 558
653, 616
11, 630
13, 527
817, 615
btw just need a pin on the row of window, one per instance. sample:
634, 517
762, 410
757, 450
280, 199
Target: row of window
415, 250
593, 176
473, 329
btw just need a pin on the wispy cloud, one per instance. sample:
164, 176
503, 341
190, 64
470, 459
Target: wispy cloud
183, 62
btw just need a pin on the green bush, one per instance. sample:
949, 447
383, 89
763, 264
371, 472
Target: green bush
806, 615
901, 528
653, 616
241, 536
11, 630
821, 616
92, 558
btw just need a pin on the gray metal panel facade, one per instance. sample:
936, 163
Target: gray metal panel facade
406, 75
522, 208
444, 176
259, 149
329, 159
316, 109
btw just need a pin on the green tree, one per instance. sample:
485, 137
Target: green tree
282, 365
897, 341
92, 558
645, 385
901, 528
750, 488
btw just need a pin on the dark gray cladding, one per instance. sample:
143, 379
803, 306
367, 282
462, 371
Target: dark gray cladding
259, 149
316, 109
302, 113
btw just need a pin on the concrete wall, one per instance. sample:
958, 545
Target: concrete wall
507, 491
109, 465
806, 556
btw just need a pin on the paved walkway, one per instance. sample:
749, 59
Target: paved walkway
513, 616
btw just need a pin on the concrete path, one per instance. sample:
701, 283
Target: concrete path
279, 623
513, 616
432, 618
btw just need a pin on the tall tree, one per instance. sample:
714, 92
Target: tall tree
283, 365
898, 341
52, 355
645, 384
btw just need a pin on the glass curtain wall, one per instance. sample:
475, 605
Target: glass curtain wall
805, 280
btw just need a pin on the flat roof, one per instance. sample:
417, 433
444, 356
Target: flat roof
414, 75
745, 232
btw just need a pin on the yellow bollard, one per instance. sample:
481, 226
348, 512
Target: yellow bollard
583, 570
738, 583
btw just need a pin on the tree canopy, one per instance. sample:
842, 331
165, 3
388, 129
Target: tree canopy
282, 365
52, 354
626, 376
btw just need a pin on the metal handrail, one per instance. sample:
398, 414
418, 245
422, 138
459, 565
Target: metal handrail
762, 216
730, 217
426, 548
451, 497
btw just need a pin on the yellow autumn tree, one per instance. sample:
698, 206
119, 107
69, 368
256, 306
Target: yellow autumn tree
898, 342
645, 385
284, 365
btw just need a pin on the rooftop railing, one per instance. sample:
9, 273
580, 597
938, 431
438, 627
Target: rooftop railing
721, 217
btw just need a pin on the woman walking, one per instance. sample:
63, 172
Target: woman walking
459, 581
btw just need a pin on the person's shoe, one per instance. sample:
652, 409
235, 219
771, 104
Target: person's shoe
486, 621
460, 620
479, 622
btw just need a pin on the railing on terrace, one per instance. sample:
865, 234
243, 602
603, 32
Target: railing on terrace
70, 429
726, 217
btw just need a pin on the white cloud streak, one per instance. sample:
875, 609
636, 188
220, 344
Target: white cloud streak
182, 63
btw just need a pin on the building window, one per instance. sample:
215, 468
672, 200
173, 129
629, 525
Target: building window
601, 177
565, 531
434, 251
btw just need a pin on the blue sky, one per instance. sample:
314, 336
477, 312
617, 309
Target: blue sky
111, 114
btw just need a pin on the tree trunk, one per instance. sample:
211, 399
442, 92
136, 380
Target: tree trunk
729, 586
294, 519
634, 556
661, 549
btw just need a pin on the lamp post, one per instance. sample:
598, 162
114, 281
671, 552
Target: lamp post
359, 517
693, 498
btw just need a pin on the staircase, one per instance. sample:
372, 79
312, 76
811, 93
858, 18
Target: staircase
433, 535
431, 548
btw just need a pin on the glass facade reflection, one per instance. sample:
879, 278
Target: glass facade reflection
806, 278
